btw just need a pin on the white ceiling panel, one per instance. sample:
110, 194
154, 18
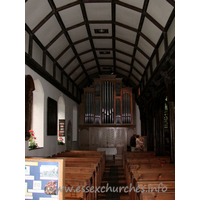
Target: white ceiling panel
136, 74
98, 11
83, 46
145, 46
149, 73
60, 3
106, 62
80, 79
161, 50
37, 53
42, 8
123, 57
134, 80
93, 71
72, 66
76, 73
102, 43
48, 31
124, 47
127, 16
138, 67
171, 32
125, 34
66, 57
87, 56
58, 46
71, 16
75, 33
49, 65
154, 63
26, 42
136, 3
58, 74
151, 31
101, 26
141, 58
123, 65
90, 64
160, 10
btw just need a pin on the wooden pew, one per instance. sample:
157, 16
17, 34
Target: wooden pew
166, 187
80, 161
146, 170
80, 176
142, 161
76, 172
150, 166
83, 167
157, 196
140, 174
87, 154
73, 184
154, 177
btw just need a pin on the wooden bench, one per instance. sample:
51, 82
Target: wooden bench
157, 196
143, 169
142, 161
82, 169
166, 187
87, 154
78, 177
75, 183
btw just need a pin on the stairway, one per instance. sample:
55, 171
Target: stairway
113, 177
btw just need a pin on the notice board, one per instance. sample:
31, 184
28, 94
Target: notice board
43, 178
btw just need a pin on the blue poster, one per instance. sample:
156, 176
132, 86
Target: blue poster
41, 180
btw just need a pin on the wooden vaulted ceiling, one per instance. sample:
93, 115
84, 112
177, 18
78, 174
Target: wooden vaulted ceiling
64, 30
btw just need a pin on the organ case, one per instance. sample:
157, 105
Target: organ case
107, 101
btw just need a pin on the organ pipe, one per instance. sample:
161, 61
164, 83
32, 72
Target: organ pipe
101, 100
126, 108
107, 102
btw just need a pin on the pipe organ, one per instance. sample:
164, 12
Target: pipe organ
106, 104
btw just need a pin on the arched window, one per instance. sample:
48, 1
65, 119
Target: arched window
29, 88
61, 120
38, 113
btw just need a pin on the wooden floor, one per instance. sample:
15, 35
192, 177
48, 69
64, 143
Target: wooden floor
114, 176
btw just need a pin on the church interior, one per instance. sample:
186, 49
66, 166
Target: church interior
98, 75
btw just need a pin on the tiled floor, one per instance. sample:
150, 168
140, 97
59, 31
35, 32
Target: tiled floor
113, 177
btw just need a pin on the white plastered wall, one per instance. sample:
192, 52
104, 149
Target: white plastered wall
50, 142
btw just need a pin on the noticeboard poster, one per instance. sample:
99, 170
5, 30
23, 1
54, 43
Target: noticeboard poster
41, 180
